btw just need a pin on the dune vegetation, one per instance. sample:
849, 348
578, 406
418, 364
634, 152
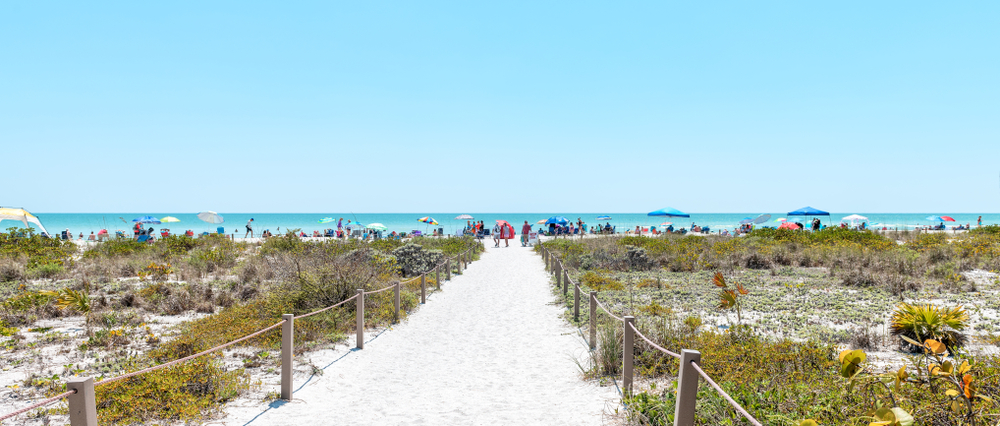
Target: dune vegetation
120, 306
836, 327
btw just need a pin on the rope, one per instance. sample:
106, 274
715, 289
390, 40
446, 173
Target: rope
190, 357
725, 395
380, 290
636, 330
41, 403
327, 308
608, 311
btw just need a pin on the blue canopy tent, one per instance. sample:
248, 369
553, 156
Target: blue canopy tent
808, 211
669, 212
558, 220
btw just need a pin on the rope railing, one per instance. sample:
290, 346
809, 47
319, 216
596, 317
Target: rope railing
688, 373
38, 404
81, 393
736, 406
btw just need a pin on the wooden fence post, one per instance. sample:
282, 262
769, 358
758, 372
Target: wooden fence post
593, 320
360, 308
558, 274
83, 403
576, 302
395, 318
565, 281
447, 269
687, 388
287, 345
423, 288
437, 276
628, 351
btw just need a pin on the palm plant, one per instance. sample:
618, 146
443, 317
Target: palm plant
729, 298
922, 322
67, 298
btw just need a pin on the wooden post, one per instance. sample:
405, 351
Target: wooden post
565, 282
687, 388
360, 308
593, 320
437, 276
423, 288
395, 318
576, 302
558, 275
83, 403
287, 356
628, 350
447, 269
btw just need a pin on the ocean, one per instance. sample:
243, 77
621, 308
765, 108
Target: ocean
407, 222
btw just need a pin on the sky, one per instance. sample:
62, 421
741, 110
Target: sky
889, 106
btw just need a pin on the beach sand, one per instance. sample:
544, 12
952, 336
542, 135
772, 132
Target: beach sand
490, 348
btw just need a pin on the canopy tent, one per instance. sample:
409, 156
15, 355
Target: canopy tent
808, 211
21, 215
668, 212
558, 220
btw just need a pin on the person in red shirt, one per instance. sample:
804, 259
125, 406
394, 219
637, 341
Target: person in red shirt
525, 230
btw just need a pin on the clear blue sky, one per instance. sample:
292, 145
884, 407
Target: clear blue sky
888, 106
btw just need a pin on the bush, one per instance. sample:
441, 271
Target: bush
414, 260
922, 322
24, 243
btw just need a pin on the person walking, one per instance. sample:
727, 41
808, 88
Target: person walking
506, 232
249, 228
525, 230
496, 235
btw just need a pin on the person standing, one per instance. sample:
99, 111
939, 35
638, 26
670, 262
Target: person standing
506, 232
525, 230
249, 228
979, 222
496, 235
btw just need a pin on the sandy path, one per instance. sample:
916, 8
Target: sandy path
489, 349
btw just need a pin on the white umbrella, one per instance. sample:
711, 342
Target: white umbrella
464, 217
211, 217
854, 218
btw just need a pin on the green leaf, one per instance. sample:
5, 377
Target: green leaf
902, 417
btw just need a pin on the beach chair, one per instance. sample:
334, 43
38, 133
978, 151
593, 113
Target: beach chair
220, 230
144, 239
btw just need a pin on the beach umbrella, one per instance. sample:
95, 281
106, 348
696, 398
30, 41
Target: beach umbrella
428, 220
211, 217
781, 219
746, 220
146, 219
327, 220
789, 225
668, 212
376, 226
666, 223
603, 217
20, 215
762, 218
541, 222
169, 219
947, 219
464, 217
854, 219
808, 211
558, 220
934, 219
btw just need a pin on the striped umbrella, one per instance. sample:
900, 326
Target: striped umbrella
428, 220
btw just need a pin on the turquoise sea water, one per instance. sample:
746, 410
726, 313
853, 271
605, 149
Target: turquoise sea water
406, 222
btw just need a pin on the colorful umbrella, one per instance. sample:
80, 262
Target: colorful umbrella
541, 222
603, 217
666, 223
947, 219
934, 219
146, 219
211, 217
428, 220
169, 219
327, 220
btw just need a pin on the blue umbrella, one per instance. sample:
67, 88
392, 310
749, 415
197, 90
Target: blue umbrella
808, 211
746, 220
934, 219
146, 219
558, 220
603, 217
669, 212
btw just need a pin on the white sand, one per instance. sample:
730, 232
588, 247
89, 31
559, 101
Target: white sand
491, 348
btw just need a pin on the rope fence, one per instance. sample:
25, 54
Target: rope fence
689, 369
81, 395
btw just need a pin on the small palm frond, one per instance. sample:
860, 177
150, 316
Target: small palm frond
719, 280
